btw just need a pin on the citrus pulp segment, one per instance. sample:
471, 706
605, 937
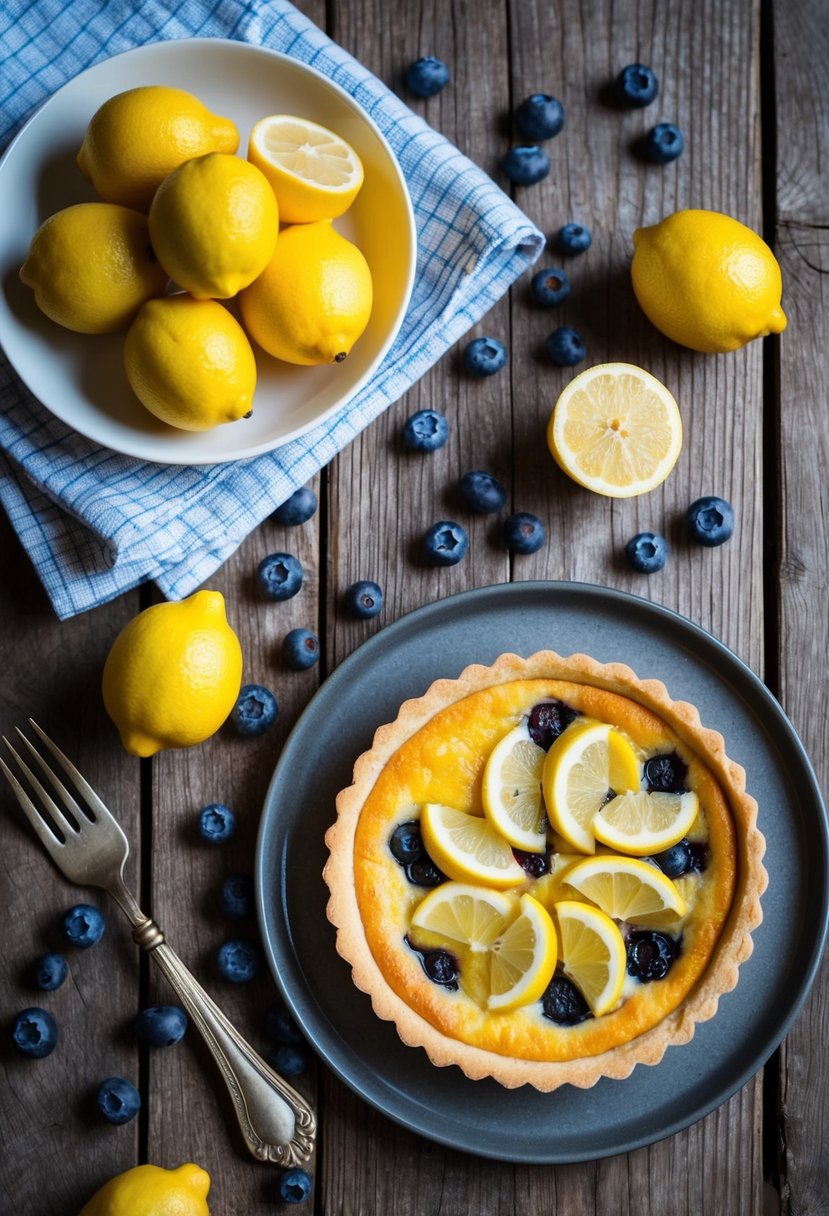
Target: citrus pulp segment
587, 760
642, 823
592, 953
625, 887
464, 914
511, 790
314, 173
523, 958
467, 847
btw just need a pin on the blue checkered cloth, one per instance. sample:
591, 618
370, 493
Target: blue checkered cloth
96, 523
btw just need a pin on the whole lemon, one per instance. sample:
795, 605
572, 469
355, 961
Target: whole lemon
135, 139
151, 1190
190, 363
173, 674
91, 267
707, 281
214, 224
313, 300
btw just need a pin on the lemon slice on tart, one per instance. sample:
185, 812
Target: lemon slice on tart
511, 790
523, 958
584, 763
468, 848
641, 823
626, 888
464, 915
592, 953
314, 173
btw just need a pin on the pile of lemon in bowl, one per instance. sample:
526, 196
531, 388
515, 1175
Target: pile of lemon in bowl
179, 207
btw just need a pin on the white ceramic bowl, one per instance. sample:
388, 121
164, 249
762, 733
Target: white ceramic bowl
81, 378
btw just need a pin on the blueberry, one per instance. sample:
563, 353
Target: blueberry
666, 773
547, 720
427, 76
406, 843
663, 143
533, 864
539, 116
161, 1025
297, 509
236, 897
524, 533
483, 492
445, 543
300, 649
84, 925
441, 968
295, 1186
526, 164
118, 1100
650, 955
238, 961
647, 552
484, 356
422, 872
677, 860
217, 823
550, 287
573, 239
49, 971
255, 710
279, 576
280, 1025
636, 86
35, 1033
563, 1003
710, 521
364, 599
289, 1060
565, 346
425, 431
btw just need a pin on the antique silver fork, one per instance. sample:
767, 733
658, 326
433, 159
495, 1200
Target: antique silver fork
90, 848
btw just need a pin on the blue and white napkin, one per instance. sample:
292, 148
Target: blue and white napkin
96, 523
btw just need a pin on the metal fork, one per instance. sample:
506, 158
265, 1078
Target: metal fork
89, 847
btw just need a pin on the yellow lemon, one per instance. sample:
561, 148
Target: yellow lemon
314, 174
523, 958
135, 139
313, 299
173, 674
214, 224
468, 848
707, 281
150, 1190
640, 823
592, 953
190, 363
91, 267
587, 760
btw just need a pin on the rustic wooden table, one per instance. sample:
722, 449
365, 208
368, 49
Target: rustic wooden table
747, 84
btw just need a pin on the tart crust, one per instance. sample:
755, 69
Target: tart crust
371, 900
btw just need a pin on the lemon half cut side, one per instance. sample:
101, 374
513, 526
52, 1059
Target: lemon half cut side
314, 173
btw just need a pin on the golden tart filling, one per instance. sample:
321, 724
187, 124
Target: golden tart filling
546, 871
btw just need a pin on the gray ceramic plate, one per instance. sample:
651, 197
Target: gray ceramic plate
479, 1116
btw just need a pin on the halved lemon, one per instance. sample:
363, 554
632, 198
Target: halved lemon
464, 915
511, 790
625, 887
616, 430
592, 953
468, 848
523, 958
585, 761
314, 173
641, 823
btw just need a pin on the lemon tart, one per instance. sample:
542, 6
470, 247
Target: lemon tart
546, 871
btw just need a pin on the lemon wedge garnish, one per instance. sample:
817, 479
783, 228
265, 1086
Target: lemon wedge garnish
625, 887
523, 958
641, 823
314, 173
511, 790
592, 953
616, 430
585, 761
467, 847
464, 915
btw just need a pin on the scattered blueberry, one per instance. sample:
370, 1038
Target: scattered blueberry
255, 710
483, 492
238, 961
547, 720
425, 431
441, 968
217, 823
647, 552
710, 521
565, 346
666, 773
650, 955
300, 649
524, 533
279, 576
677, 860
289, 1060
49, 971
550, 287
445, 543
539, 116
424, 873
636, 86
280, 1025
406, 842
364, 599
427, 76
236, 897
484, 356
295, 1186
161, 1025
573, 239
118, 1100
563, 1003
84, 925
526, 164
297, 509
35, 1033
663, 143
